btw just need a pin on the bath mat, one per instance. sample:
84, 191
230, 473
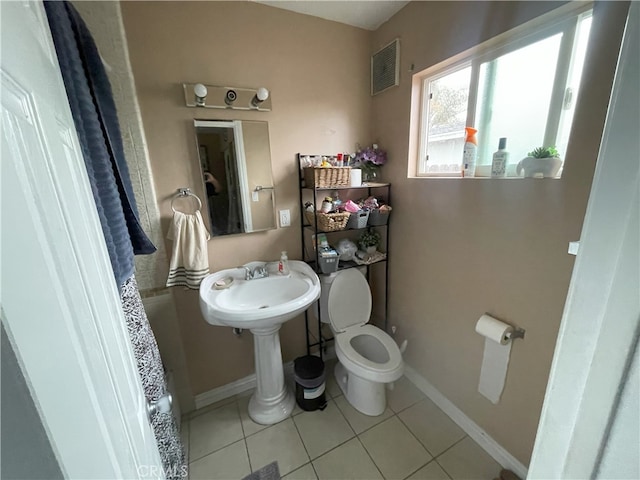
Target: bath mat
268, 472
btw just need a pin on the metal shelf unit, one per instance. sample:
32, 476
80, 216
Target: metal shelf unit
310, 253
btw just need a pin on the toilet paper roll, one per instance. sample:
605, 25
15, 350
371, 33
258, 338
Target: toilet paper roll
495, 359
356, 177
493, 329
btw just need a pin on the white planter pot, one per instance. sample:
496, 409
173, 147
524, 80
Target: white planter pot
539, 167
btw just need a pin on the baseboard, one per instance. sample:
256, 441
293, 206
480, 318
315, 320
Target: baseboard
233, 388
482, 438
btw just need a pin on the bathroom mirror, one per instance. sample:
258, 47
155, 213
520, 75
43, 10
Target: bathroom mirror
235, 162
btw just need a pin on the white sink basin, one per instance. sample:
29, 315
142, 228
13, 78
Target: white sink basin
261, 302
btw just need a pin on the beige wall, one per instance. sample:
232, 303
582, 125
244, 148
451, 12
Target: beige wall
318, 75
462, 248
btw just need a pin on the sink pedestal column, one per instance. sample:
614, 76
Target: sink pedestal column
272, 401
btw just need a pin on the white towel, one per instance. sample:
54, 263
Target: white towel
189, 259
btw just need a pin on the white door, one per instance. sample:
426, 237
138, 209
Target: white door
591, 385
60, 305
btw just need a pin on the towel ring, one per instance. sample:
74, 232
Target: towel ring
184, 192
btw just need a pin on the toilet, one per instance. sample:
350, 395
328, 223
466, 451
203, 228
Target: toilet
368, 358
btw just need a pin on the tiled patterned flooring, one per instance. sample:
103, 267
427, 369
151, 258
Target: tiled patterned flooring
412, 439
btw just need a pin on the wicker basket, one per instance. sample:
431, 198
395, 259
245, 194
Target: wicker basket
329, 222
358, 219
327, 177
378, 218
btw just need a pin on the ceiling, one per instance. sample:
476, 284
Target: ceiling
364, 14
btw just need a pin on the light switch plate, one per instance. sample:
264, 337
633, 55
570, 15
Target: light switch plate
285, 218
573, 247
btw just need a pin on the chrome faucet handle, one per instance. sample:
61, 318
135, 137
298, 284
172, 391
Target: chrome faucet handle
260, 272
247, 272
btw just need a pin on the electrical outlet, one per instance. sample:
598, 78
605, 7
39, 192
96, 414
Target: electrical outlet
285, 218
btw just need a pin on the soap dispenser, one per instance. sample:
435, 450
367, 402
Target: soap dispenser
500, 160
283, 265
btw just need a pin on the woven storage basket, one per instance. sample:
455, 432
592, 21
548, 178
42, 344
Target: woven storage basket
358, 219
329, 222
319, 177
377, 218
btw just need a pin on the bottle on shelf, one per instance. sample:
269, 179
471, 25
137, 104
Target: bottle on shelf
500, 159
470, 153
337, 203
283, 265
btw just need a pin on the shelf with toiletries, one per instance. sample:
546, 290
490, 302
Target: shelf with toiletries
344, 225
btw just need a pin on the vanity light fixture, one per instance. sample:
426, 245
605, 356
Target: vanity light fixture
234, 98
200, 94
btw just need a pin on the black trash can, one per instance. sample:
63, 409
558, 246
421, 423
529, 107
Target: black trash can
309, 375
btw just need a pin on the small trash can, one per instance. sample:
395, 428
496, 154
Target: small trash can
309, 375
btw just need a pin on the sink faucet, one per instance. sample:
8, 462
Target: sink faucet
258, 272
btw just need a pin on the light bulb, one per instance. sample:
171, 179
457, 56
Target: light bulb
261, 95
200, 92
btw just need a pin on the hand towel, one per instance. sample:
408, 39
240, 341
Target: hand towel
189, 260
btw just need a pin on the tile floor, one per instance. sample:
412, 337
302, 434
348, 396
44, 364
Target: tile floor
412, 439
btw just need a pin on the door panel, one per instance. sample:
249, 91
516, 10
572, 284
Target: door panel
60, 302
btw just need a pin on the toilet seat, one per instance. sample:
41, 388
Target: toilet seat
356, 363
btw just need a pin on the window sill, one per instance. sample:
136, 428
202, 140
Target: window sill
459, 177
483, 172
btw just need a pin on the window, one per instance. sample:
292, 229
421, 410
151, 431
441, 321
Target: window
523, 89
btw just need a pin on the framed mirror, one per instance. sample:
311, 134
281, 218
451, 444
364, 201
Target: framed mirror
235, 162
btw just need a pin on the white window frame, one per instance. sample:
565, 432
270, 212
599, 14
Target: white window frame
561, 20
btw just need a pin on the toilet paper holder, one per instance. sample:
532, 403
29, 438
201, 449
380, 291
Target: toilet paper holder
516, 333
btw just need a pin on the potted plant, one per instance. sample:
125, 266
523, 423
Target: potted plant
542, 162
369, 161
369, 240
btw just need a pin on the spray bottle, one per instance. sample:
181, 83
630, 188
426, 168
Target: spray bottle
470, 153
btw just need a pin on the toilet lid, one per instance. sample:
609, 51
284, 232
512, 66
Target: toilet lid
349, 300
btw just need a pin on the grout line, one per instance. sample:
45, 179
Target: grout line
314, 469
368, 428
420, 468
216, 451
224, 446
244, 436
246, 447
456, 443
446, 473
415, 436
210, 408
335, 446
295, 425
369, 455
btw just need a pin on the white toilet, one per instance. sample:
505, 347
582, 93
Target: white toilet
368, 357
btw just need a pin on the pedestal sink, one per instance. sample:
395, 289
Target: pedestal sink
262, 305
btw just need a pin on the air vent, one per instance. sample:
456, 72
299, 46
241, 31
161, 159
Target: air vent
385, 68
